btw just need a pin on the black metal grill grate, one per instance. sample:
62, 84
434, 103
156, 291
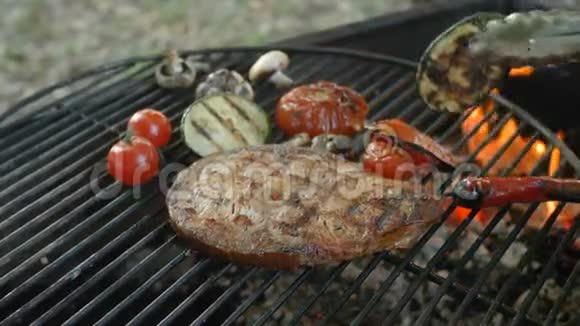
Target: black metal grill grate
67, 256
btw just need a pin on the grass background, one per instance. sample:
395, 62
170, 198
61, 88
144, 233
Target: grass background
45, 41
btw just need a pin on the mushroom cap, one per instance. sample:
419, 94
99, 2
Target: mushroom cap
225, 81
267, 64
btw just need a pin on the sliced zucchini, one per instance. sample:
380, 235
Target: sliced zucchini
223, 122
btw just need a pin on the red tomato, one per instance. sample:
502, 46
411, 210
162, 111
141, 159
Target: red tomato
383, 158
133, 163
320, 108
151, 124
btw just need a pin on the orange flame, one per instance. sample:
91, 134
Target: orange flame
552, 168
524, 71
537, 150
461, 213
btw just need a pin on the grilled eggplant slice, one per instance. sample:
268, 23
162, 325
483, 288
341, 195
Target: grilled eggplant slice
223, 122
463, 64
448, 77
283, 206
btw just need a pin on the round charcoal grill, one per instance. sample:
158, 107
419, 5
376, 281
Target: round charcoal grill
68, 254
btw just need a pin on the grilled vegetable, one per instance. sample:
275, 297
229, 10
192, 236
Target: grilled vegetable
176, 72
133, 161
271, 66
224, 81
321, 108
448, 77
408, 136
223, 122
463, 64
283, 206
151, 124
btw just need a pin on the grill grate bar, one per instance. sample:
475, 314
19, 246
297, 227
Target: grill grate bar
186, 277
20, 217
82, 313
115, 263
41, 94
425, 314
497, 257
389, 75
20, 135
105, 93
112, 314
284, 296
354, 286
175, 117
252, 298
439, 280
193, 296
30, 173
429, 268
29, 284
550, 320
532, 295
450, 240
19, 222
477, 127
438, 123
112, 246
496, 129
308, 303
399, 101
389, 94
413, 117
386, 284
201, 319
500, 251
457, 126
111, 112
47, 250
54, 266
110, 226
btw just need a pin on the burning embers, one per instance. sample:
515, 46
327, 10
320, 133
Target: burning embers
490, 136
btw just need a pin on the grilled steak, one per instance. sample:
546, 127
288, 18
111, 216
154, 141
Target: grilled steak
283, 207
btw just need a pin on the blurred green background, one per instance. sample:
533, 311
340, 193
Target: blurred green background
45, 41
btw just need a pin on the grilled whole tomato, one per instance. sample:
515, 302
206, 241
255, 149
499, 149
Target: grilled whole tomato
321, 108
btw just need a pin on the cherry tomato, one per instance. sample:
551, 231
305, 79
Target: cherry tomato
324, 107
151, 124
383, 158
410, 134
133, 162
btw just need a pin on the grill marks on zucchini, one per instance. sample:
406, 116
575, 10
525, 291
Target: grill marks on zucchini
202, 132
227, 124
240, 111
224, 122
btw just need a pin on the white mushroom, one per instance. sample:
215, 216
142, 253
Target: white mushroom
175, 72
224, 81
271, 66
